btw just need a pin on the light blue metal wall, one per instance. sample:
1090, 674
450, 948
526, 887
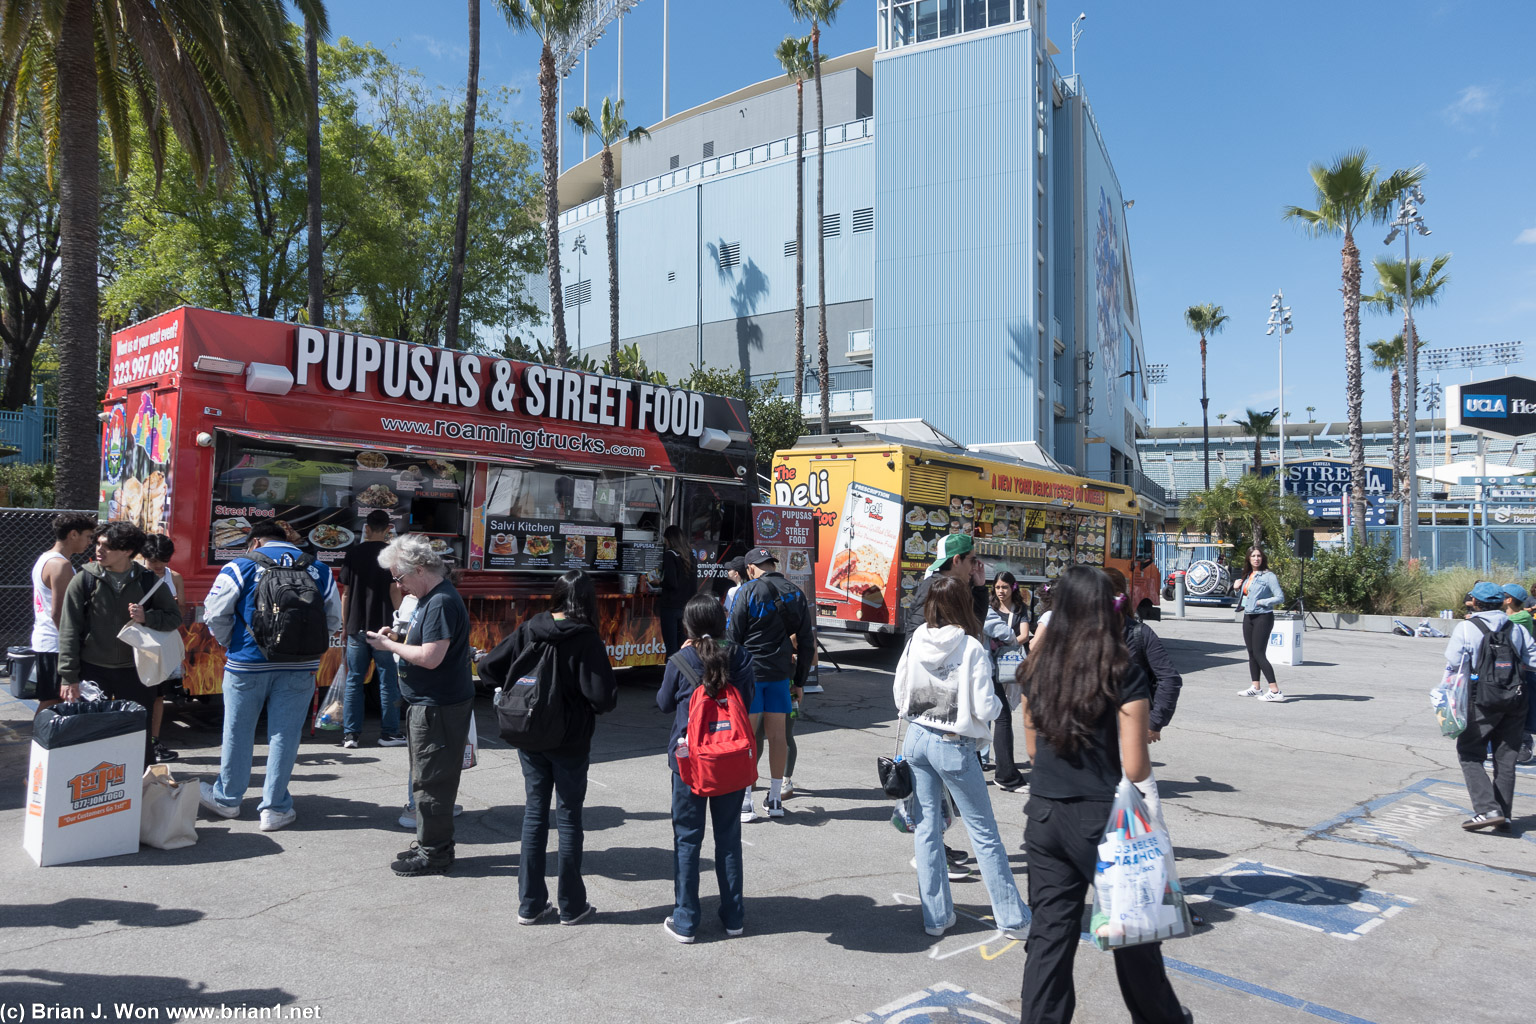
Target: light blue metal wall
955, 323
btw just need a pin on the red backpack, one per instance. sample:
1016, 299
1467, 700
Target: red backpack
718, 752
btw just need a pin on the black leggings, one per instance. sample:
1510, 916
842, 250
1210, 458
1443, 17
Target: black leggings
1256, 630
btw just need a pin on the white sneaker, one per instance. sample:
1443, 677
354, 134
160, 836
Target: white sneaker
1252, 691
1274, 695
272, 821
408, 816
788, 789
206, 798
774, 808
946, 926
748, 810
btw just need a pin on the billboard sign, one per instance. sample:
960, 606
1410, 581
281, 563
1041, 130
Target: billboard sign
1502, 407
1330, 478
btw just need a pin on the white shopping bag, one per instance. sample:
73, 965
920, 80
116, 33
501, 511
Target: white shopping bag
472, 748
169, 818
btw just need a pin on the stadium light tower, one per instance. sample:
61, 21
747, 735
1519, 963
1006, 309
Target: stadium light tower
1280, 320
1156, 373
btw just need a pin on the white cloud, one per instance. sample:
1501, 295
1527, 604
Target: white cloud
1471, 102
1526, 237
440, 49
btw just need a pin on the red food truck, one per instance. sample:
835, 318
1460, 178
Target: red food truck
517, 471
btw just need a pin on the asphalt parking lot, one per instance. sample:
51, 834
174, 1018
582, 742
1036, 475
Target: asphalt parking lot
1321, 837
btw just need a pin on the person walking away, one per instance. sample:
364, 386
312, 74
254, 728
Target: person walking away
1007, 627
1146, 650
1086, 715
679, 582
773, 621
587, 687
73, 533
944, 690
1516, 600
1261, 595
272, 652
706, 659
439, 692
157, 555
100, 600
1497, 704
368, 601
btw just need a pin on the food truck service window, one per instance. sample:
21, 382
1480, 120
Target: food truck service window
322, 495
559, 519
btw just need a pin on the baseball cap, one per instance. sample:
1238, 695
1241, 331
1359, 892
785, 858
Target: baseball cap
1519, 593
1487, 593
737, 565
760, 556
951, 545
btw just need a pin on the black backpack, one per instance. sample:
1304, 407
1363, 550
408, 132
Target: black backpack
530, 707
1497, 672
288, 613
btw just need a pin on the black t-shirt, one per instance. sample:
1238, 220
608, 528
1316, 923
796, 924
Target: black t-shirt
1093, 771
367, 583
441, 615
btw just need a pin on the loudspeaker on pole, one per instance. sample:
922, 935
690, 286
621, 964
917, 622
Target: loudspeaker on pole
1304, 543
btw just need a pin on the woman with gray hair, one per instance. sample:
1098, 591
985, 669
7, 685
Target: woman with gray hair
439, 693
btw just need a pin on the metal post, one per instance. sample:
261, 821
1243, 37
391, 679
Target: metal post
666, 57
1178, 597
620, 97
1411, 528
1280, 465
584, 55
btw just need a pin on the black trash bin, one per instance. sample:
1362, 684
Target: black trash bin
22, 664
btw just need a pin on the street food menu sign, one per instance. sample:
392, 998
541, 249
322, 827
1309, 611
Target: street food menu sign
516, 543
790, 533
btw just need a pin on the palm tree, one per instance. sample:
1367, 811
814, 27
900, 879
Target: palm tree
466, 169
1392, 280
1221, 417
316, 239
1348, 192
794, 55
1387, 356
220, 76
1259, 424
609, 129
1206, 318
1248, 507
1310, 417
550, 20
819, 13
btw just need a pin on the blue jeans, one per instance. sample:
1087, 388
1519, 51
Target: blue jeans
286, 695
565, 774
358, 656
938, 764
688, 836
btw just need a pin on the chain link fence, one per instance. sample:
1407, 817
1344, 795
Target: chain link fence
26, 533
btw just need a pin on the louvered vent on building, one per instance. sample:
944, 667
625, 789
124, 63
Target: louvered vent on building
928, 487
791, 247
671, 275
832, 225
709, 150
673, 162
864, 220
579, 293
730, 254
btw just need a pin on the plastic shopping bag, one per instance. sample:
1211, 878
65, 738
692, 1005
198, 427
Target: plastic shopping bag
169, 821
333, 704
904, 816
472, 747
1449, 699
1136, 893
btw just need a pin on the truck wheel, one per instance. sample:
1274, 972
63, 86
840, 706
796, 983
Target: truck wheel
885, 641
1167, 593
1149, 612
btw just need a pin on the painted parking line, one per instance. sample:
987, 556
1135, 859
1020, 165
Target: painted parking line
940, 1002
1328, 905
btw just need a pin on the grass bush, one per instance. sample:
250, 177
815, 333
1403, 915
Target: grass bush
26, 485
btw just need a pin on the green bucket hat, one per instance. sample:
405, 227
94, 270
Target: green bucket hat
951, 545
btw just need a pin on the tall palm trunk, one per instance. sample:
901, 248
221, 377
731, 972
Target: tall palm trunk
612, 218
799, 244
466, 166
1354, 385
79, 212
312, 161
549, 93
1205, 418
1258, 451
825, 370
1398, 458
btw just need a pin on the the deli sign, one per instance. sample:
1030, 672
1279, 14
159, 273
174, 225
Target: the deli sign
424, 373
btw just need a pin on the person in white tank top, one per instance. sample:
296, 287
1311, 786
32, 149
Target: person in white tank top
73, 533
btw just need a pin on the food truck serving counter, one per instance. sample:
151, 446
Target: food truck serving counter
517, 472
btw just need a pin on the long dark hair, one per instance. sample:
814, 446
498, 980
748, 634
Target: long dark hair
1013, 591
704, 624
949, 604
1122, 588
1072, 676
672, 540
576, 597
1249, 570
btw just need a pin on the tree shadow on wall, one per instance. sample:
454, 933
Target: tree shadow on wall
749, 285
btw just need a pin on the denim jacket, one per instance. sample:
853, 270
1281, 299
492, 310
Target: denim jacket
1263, 593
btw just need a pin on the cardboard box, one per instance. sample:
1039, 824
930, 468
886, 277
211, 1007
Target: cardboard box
83, 801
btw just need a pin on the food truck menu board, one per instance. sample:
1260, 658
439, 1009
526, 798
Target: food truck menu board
545, 544
1029, 542
790, 533
322, 497
554, 520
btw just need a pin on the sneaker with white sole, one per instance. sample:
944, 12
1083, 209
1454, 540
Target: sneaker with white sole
535, 917
272, 821
392, 741
408, 816
735, 933
946, 926
210, 803
1252, 691
581, 916
671, 929
748, 809
773, 808
1274, 695
788, 789
349, 741
956, 872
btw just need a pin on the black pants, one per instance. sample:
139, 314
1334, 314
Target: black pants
1006, 771
671, 629
1061, 840
1256, 630
1506, 731
436, 737
123, 684
563, 773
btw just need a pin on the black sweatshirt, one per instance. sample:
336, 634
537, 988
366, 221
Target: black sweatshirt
1147, 651
585, 671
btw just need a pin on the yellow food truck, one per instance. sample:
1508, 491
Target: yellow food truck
883, 502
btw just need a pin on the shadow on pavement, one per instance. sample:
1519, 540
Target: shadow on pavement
852, 922
76, 913
1175, 789
144, 991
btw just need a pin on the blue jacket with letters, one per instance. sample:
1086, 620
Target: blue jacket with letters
230, 604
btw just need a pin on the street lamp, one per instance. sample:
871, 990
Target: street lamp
1077, 30
1280, 319
579, 247
1408, 217
1157, 373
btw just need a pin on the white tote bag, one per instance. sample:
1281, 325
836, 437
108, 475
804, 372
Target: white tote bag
157, 653
169, 819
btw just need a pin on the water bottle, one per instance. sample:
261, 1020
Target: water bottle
794, 708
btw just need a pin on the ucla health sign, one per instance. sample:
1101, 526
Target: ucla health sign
1330, 478
1503, 407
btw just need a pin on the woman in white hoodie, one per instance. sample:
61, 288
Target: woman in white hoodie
944, 691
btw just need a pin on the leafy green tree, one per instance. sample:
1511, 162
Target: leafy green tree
1206, 318
217, 76
1387, 356
794, 55
1346, 193
1258, 424
776, 423
609, 128
1249, 510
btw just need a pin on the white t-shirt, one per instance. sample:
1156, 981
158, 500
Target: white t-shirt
45, 632
1045, 617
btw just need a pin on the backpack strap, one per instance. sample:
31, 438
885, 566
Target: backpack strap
688, 670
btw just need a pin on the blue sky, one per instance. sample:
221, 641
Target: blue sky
1211, 112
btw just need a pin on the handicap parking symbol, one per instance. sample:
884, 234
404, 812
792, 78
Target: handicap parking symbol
941, 1002
1333, 906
